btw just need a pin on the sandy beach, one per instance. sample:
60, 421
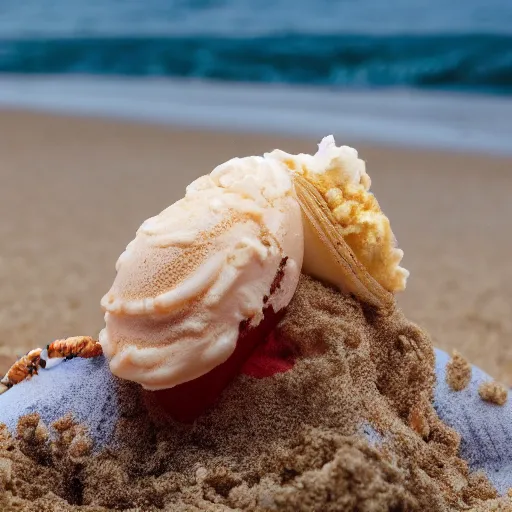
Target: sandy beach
73, 192
307, 327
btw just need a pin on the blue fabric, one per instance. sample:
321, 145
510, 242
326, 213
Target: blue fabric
83, 386
485, 428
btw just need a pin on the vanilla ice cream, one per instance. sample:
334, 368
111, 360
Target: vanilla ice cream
198, 269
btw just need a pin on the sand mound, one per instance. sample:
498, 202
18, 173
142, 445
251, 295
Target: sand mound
350, 427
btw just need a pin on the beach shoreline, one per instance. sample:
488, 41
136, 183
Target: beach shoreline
447, 121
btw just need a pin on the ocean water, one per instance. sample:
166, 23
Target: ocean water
429, 44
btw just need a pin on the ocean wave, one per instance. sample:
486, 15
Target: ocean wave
480, 63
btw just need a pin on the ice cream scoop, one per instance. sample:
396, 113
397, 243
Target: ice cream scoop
207, 265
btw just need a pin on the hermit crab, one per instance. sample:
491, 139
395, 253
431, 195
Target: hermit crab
206, 281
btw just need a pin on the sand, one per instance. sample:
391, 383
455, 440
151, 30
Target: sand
291, 442
73, 192
493, 392
458, 372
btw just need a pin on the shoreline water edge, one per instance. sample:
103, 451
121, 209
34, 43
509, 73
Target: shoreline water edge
394, 117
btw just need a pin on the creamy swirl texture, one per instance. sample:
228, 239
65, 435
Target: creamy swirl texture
198, 269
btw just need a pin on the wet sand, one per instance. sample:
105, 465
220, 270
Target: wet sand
73, 192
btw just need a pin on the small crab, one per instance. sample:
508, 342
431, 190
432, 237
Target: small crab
29, 364
23, 368
76, 346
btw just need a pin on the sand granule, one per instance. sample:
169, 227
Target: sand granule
493, 392
458, 372
291, 442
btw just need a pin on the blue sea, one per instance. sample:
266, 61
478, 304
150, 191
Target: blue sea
427, 44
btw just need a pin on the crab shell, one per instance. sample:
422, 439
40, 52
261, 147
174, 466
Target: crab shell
348, 241
208, 264
201, 268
